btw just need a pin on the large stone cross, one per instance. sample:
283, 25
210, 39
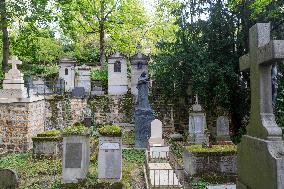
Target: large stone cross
263, 52
14, 61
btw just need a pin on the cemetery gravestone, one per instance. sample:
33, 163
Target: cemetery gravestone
261, 151
110, 158
76, 157
8, 179
78, 92
143, 114
197, 124
223, 128
117, 75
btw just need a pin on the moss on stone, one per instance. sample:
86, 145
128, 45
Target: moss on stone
49, 133
52, 138
217, 150
110, 131
76, 129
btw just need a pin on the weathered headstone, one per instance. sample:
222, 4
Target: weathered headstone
110, 158
143, 114
139, 64
78, 92
197, 124
76, 157
97, 89
117, 75
223, 128
8, 179
261, 151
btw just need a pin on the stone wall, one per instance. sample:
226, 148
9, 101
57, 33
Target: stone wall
113, 109
19, 122
63, 111
120, 110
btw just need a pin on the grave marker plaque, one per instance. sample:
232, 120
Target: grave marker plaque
73, 155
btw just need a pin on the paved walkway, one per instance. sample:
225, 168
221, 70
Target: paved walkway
162, 174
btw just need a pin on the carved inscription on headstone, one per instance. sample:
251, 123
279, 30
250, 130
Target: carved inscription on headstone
73, 155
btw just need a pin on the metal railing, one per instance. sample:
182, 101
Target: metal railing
163, 177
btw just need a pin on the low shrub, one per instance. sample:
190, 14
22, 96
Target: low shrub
50, 135
215, 150
110, 131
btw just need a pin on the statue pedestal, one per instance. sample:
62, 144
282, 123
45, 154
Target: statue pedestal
143, 119
260, 163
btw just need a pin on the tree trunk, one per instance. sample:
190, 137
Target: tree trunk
102, 44
102, 35
5, 36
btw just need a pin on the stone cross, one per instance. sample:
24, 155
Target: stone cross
263, 52
196, 99
14, 61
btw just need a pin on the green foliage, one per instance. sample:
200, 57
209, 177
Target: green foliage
50, 135
33, 173
177, 149
214, 150
110, 131
76, 129
279, 110
128, 138
100, 75
134, 155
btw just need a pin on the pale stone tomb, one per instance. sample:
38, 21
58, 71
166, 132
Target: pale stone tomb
110, 158
83, 78
67, 72
197, 124
139, 64
117, 75
261, 151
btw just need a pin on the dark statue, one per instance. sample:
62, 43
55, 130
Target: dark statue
143, 113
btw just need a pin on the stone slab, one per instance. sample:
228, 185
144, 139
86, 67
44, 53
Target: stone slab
8, 179
222, 186
110, 158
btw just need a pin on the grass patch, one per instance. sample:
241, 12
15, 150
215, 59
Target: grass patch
134, 155
215, 150
110, 131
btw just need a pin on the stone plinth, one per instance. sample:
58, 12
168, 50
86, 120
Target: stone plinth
208, 163
257, 160
117, 75
19, 122
143, 119
110, 158
76, 158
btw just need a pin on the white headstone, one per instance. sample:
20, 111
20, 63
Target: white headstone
156, 129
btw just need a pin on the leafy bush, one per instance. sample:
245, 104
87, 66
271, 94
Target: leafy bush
100, 75
110, 130
215, 150
77, 129
49, 133
134, 155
